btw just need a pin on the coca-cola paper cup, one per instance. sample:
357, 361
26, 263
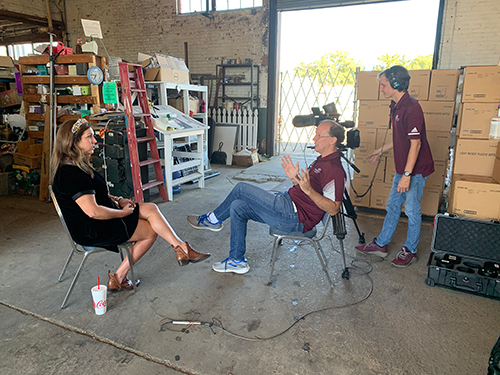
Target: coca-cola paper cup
99, 295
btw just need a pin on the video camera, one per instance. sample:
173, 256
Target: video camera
330, 113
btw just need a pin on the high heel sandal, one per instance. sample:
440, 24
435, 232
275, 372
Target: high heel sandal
192, 255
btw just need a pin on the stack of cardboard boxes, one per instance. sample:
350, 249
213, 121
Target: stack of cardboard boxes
436, 92
475, 188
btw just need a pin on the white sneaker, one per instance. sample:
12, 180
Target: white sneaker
231, 265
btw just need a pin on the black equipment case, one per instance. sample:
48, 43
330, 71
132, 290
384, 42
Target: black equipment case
465, 256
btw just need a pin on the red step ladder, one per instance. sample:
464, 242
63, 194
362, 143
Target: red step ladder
132, 81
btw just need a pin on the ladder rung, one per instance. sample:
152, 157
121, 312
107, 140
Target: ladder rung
151, 184
142, 114
145, 139
137, 90
148, 162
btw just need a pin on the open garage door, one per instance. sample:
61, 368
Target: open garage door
285, 5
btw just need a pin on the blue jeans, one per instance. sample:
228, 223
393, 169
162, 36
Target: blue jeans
411, 199
249, 202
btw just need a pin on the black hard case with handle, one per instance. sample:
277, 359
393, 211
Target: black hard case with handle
465, 256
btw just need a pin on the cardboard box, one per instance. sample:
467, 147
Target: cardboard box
435, 180
380, 193
475, 197
439, 142
475, 157
30, 147
444, 84
165, 68
496, 165
419, 84
246, 160
90, 47
194, 104
373, 113
382, 139
367, 169
6, 62
474, 119
429, 205
32, 162
367, 142
361, 185
10, 98
438, 115
368, 85
481, 84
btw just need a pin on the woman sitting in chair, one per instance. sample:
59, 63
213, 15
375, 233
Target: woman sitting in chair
95, 218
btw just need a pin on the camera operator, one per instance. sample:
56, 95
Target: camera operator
317, 189
413, 162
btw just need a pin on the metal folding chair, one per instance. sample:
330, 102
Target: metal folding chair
313, 237
86, 251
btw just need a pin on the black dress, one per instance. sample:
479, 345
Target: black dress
70, 183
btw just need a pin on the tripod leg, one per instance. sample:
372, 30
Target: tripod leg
351, 213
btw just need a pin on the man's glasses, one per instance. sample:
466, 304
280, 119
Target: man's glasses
322, 136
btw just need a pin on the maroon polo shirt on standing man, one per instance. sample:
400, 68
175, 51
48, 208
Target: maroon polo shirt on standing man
407, 120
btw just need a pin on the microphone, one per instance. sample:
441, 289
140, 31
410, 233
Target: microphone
301, 121
310, 146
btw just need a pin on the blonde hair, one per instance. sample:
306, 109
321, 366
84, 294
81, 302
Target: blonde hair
66, 150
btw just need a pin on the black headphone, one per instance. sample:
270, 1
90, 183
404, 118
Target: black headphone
394, 81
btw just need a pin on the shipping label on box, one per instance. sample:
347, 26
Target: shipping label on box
373, 113
367, 85
444, 84
361, 186
474, 119
475, 197
475, 157
419, 84
438, 115
439, 143
481, 84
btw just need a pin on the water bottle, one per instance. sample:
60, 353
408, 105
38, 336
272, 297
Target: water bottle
495, 126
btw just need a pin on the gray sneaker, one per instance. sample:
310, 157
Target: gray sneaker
202, 222
231, 265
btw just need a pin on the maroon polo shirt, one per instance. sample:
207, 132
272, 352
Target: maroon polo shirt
327, 177
407, 120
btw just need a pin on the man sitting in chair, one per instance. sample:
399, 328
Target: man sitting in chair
317, 189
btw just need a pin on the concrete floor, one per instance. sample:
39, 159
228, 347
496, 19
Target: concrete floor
403, 327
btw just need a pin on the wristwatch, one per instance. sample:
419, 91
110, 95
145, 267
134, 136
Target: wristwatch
407, 174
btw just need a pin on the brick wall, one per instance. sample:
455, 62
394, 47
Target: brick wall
150, 26
32, 7
471, 35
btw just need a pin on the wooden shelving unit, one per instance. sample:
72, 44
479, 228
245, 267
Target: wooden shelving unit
28, 67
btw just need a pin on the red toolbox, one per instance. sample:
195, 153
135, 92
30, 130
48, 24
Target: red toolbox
465, 256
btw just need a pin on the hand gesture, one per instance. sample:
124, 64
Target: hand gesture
304, 181
290, 169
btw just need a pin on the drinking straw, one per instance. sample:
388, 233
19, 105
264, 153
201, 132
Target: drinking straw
98, 287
